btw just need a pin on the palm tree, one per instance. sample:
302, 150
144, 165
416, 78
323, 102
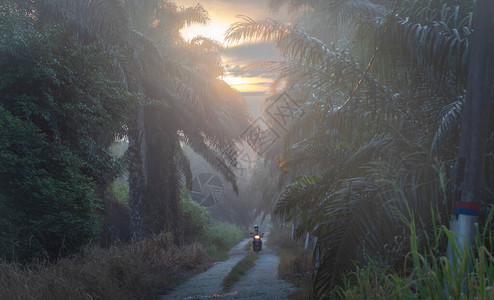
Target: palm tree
179, 101
379, 130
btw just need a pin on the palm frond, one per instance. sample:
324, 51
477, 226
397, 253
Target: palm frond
446, 135
215, 159
305, 192
264, 31
436, 38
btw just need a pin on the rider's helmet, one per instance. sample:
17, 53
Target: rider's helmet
256, 227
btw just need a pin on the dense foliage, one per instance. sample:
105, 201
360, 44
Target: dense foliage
62, 87
47, 204
59, 113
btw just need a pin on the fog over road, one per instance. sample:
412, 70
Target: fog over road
260, 282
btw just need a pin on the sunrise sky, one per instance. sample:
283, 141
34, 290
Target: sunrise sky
254, 87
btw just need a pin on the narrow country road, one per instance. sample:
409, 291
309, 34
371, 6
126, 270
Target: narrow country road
260, 282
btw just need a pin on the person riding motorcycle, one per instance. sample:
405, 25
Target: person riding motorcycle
259, 234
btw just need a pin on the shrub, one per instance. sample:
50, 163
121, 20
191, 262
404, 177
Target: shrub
194, 218
46, 203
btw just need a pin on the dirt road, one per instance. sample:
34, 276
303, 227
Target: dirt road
260, 282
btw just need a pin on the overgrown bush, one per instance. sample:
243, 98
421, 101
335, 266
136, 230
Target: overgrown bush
60, 111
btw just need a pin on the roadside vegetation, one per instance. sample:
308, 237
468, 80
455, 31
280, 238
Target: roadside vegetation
138, 271
220, 237
142, 270
426, 273
75, 78
295, 261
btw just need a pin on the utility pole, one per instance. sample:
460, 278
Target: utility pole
474, 126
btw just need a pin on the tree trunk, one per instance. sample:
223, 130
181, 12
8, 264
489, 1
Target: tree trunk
162, 190
153, 181
475, 119
137, 174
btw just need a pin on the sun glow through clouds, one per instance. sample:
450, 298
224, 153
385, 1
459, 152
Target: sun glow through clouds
254, 87
248, 84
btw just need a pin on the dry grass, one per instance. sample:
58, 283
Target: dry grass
138, 271
295, 262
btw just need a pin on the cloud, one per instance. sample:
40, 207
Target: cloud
244, 60
253, 94
246, 71
251, 52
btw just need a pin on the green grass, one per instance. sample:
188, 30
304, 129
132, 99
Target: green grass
239, 270
433, 276
220, 237
248, 246
120, 189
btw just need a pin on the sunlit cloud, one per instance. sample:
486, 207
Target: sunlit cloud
249, 84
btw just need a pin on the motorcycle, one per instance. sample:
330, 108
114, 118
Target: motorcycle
257, 242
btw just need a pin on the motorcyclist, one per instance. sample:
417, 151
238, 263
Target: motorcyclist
256, 229
257, 232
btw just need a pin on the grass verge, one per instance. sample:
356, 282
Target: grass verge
220, 237
248, 246
295, 262
239, 270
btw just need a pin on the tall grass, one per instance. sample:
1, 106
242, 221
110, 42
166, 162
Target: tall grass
138, 271
219, 237
432, 276
296, 263
141, 270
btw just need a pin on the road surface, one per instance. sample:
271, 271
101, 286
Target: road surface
261, 281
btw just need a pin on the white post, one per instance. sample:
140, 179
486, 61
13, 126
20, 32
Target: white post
316, 260
306, 241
